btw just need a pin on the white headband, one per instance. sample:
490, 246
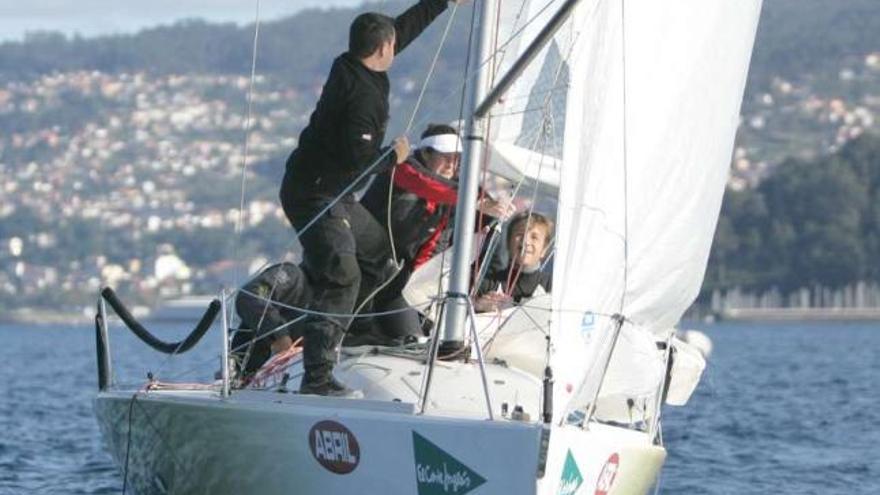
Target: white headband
443, 143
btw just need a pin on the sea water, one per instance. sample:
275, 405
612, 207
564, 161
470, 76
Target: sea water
788, 408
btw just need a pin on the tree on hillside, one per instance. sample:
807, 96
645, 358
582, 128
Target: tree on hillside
738, 244
863, 156
810, 223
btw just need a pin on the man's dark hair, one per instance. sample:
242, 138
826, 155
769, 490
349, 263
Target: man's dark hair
368, 32
438, 130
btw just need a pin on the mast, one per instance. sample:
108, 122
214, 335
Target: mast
474, 140
474, 148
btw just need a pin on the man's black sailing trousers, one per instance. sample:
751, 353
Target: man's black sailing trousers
345, 256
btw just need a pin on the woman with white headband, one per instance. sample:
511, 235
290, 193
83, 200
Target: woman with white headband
421, 213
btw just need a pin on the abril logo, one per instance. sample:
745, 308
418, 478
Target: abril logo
334, 447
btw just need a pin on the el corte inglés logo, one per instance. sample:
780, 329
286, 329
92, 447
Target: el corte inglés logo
334, 447
571, 476
438, 473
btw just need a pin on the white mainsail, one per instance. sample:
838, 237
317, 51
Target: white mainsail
631, 111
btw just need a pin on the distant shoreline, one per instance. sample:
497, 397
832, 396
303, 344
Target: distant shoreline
800, 314
44, 316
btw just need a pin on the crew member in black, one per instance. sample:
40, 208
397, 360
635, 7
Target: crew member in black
424, 192
420, 210
266, 325
345, 251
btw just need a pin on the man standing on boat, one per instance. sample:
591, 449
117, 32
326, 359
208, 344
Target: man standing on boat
345, 250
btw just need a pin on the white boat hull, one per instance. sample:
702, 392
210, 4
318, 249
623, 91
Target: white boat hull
266, 442
193, 445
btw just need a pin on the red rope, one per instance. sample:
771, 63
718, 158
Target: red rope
273, 368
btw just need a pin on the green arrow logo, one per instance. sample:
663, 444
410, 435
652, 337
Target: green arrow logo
438, 473
571, 476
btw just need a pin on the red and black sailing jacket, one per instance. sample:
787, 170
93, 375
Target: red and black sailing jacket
421, 210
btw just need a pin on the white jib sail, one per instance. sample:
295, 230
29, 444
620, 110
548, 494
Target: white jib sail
651, 112
527, 123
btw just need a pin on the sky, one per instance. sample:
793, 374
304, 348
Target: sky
97, 17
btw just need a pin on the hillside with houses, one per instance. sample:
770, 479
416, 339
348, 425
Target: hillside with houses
121, 156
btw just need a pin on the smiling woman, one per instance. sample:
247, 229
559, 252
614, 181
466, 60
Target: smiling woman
104, 17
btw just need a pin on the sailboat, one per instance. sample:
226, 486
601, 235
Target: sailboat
626, 110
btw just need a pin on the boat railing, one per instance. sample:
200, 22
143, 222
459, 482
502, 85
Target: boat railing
108, 296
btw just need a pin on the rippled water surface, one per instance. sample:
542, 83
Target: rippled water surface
782, 409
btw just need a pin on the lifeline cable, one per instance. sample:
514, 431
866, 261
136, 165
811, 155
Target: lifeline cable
285, 325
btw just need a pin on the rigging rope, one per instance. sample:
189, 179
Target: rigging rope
470, 75
547, 127
542, 137
306, 313
239, 227
625, 181
479, 274
327, 314
367, 172
409, 125
484, 163
369, 169
180, 467
466, 77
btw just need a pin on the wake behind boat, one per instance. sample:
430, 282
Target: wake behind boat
625, 111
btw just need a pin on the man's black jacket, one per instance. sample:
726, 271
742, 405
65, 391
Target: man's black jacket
345, 132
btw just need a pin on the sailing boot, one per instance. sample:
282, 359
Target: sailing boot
319, 380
